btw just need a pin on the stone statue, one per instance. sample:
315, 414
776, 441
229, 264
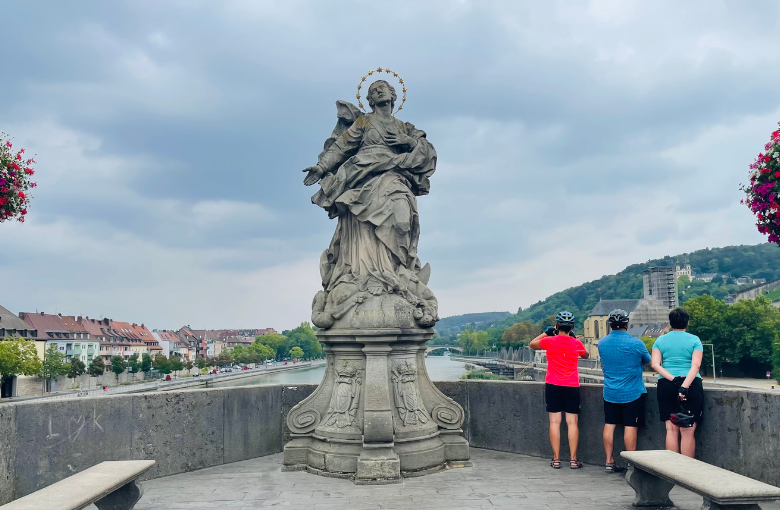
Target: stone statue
376, 416
371, 171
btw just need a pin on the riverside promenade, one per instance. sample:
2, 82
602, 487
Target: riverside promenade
497, 480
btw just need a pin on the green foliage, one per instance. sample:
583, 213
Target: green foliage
774, 295
200, 362
76, 368
477, 374
776, 362
648, 341
161, 364
276, 342
303, 336
55, 363
19, 357
188, 365
450, 327
118, 365
520, 334
96, 367
134, 364
744, 333
146, 363
473, 341
296, 352
176, 364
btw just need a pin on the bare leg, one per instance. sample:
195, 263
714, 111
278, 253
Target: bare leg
555, 434
629, 438
572, 421
672, 437
688, 441
609, 440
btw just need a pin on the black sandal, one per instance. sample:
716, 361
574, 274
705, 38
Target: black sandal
575, 464
612, 467
555, 463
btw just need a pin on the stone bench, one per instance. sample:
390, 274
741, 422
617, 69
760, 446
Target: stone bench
110, 485
652, 474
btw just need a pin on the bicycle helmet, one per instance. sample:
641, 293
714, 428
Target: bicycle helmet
682, 418
565, 319
618, 317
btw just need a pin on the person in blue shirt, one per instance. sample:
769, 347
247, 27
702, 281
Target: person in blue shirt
677, 358
622, 357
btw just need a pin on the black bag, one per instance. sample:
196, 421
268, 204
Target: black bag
683, 417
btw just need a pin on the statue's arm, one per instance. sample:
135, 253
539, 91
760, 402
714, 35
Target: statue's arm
331, 158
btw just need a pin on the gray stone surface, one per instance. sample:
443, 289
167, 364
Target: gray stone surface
60, 438
497, 480
110, 484
716, 484
376, 416
8, 448
252, 422
182, 430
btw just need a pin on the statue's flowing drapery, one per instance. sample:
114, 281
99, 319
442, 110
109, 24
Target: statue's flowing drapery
372, 187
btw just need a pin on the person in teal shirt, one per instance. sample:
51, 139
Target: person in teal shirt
677, 358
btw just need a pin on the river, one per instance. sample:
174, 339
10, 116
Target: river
440, 368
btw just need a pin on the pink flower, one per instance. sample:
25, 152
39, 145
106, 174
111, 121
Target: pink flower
8, 144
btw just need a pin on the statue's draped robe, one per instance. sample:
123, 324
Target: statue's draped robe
371, 188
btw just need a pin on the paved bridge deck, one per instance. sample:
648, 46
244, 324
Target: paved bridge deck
496, 480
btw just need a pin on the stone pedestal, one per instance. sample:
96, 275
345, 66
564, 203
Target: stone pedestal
376, 417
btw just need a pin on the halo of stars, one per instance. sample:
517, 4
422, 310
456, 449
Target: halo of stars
381, 70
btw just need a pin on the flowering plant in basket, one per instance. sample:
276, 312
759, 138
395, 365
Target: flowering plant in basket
15, 181
764, 189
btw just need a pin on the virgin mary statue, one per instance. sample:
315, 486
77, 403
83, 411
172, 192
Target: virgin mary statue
371, 171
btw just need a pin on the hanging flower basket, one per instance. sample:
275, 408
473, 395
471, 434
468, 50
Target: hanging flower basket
763, 192
15, 181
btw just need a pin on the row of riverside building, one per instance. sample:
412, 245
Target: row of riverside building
85, 338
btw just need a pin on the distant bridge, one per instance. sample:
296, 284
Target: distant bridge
447, 347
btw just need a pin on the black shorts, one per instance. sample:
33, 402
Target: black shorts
629, 414
668, 395
562, 398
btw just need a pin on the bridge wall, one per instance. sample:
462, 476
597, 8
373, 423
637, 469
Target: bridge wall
186, 430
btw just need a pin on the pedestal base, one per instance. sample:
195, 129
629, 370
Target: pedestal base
376, 417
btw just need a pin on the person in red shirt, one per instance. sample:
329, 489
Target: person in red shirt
562, 383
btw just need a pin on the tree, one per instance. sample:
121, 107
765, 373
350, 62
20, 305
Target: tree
76, 368
276, 342
263, 351
473, 341
713, 265
303, 336
776, 362
188, 365
19, 357
176, 364
134, 364
118, 365
520, 334
146, 363
96, 367
161, 363
296, 352
55, 364
200, 362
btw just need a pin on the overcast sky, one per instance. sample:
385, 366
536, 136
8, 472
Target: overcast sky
574, 138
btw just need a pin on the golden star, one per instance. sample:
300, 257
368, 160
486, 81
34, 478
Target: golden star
370, 73
401, 81
395, 74
359, 87
387, 70
357, 96
404, 90
379, 69
362, 79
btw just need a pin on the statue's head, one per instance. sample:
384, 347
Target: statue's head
380, 91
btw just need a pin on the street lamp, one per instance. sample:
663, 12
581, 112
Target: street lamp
714, 377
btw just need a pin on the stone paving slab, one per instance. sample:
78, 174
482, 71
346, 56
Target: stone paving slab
497, 480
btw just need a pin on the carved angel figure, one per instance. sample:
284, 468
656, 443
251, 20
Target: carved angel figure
346, 397
371, 171
407, 400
